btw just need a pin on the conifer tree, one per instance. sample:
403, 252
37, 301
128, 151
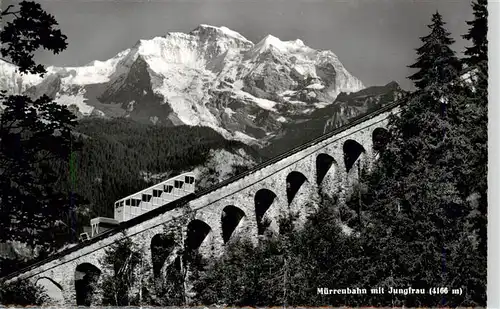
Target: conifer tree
419, 191
437, 62
477, 33
473, 117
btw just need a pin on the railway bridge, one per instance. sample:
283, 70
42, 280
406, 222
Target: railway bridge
244, 206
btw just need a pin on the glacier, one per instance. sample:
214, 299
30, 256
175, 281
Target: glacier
211, 76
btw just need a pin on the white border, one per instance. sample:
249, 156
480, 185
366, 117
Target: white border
493, 285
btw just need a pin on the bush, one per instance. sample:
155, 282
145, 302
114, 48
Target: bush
22, 293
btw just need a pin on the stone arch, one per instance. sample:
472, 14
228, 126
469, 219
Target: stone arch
294, 181
352, 151
197, 231
230, 218
86, 278
324, 163
162, 246
380, 138
173, 270
53, 289
264, 198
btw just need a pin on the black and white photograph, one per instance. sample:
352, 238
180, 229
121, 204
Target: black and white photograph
245, 153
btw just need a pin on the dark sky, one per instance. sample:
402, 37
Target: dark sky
374, 39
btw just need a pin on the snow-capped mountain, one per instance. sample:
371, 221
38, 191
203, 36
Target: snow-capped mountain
211, 76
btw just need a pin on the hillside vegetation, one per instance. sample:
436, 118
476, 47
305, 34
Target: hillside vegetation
118, 154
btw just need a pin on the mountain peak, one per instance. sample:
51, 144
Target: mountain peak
270, 42
224, 31
392, 85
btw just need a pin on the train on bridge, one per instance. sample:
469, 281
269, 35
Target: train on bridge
246, 205
142, 202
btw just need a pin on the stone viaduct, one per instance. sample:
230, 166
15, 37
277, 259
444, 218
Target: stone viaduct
245, 205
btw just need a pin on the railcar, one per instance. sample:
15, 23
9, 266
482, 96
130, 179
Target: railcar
144, 201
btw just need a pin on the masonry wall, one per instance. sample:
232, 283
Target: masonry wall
241, 194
